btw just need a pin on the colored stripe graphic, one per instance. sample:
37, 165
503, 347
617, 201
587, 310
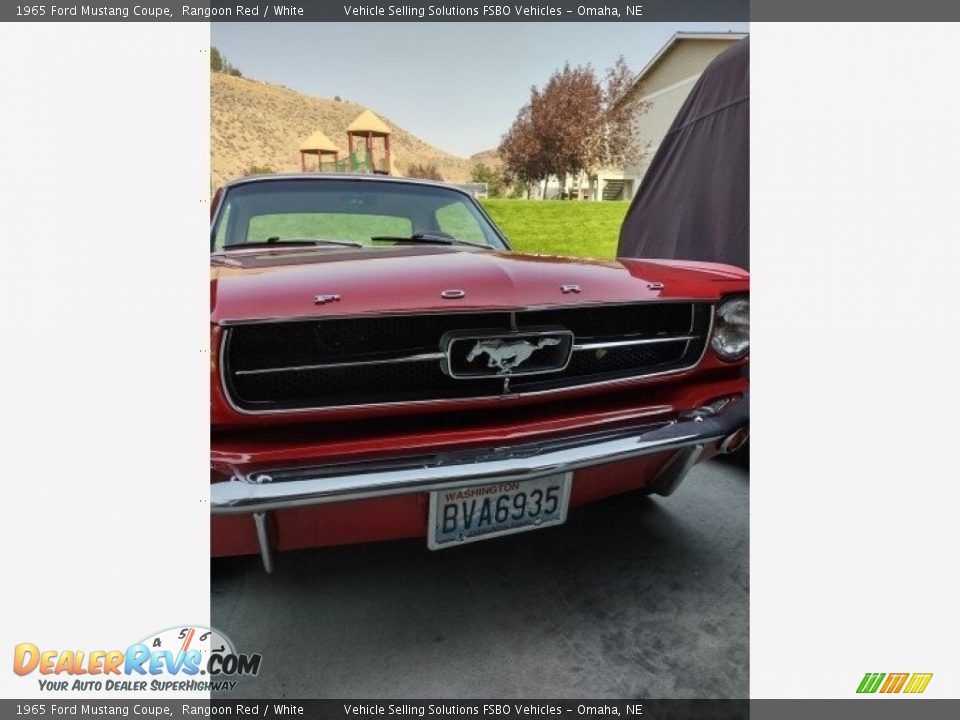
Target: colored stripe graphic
870, 682
894, 683
918, 682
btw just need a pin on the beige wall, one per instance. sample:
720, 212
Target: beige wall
664, 89
654, 123
687, 57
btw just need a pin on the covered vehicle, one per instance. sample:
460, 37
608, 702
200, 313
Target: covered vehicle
385, 367
694, 200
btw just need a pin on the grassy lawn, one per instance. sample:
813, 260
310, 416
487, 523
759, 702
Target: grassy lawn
560, 227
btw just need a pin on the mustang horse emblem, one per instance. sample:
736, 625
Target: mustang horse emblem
508, 354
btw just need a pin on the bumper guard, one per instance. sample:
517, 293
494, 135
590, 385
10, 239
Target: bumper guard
264, 491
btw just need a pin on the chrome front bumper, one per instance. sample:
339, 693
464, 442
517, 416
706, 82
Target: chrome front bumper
290, 488
264, 491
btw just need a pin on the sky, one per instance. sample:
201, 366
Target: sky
457, 86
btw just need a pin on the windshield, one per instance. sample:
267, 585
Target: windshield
329, 212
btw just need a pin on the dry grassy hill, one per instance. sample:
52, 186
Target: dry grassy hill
490, 158
253, 123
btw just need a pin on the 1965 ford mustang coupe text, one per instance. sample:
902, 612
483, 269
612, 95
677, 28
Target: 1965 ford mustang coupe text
383, 366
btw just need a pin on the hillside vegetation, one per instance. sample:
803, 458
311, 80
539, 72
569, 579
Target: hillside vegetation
256, 124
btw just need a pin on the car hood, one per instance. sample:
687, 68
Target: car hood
252, 285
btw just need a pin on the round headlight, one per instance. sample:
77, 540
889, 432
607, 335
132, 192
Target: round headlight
731, 329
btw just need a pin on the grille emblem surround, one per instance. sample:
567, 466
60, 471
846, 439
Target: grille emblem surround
505, 353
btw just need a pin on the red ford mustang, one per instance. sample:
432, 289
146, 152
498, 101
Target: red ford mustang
383, 366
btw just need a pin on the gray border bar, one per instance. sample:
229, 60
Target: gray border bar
874, 708
537, 11
864, 708
471, 11
379, 11
854, 10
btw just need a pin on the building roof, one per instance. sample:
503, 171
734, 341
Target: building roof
318, 142
367, 122
676, 38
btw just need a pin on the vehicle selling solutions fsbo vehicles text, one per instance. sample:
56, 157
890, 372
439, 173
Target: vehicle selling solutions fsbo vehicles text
527, 709
500, 11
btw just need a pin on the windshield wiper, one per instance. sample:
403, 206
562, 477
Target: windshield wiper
427, 239
277, 241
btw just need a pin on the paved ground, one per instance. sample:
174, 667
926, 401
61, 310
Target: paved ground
632, 597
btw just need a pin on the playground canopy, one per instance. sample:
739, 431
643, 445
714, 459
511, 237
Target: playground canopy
318, 143
366, 123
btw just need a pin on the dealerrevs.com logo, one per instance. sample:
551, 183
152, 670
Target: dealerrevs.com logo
888, 684
179, 659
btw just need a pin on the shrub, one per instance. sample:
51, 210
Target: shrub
424, 172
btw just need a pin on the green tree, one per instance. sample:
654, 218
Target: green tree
218, 63
482, 173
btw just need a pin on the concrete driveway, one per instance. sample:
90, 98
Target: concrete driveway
632, 597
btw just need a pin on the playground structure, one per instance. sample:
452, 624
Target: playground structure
320, 145
362, 132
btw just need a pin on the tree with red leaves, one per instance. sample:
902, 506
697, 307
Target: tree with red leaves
573, 125
520, 150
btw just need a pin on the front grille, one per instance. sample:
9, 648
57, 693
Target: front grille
372, 360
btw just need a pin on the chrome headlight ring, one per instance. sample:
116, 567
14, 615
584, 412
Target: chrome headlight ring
731, 329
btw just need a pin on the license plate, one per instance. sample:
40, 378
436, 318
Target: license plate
468, 514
